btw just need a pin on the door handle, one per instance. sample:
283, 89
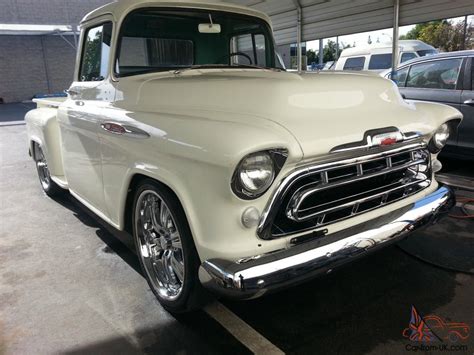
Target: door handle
124, 130
469, 102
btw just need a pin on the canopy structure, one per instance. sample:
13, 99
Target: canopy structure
41, 30
330, 18
296, 21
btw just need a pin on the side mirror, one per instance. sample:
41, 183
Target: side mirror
209, 28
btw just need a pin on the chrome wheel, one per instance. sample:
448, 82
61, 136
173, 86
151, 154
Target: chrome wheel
159, 245
43, 171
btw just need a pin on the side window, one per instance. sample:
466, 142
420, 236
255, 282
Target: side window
248, 46
402, 77
380, 61
95, 53
407, 56
440, 74
356, 63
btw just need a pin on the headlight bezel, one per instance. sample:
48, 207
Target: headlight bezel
278, 158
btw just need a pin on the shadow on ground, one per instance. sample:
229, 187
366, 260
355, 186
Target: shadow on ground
194, 333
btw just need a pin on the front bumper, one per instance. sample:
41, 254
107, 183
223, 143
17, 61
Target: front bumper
262, 274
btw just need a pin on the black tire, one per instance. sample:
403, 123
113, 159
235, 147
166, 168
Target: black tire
47, 184
191, 296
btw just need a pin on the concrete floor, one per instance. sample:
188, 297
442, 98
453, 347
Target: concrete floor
67, 285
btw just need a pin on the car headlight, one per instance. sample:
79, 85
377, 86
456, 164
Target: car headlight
441, 136
256, 172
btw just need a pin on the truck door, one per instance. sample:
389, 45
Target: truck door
89, 97
466, 129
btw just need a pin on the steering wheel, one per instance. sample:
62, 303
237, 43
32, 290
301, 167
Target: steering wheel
234, 55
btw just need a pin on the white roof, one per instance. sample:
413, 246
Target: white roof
404, 46
121, 8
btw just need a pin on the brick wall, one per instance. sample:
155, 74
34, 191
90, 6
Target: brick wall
27, 62
31, 65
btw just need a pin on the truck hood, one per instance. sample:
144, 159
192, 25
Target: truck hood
320, 110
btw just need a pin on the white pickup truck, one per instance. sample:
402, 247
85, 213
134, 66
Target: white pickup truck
182, 128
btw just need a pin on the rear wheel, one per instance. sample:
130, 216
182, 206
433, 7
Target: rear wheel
166, 249
49, 186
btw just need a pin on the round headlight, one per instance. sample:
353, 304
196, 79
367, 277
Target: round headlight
441, 136
256, 173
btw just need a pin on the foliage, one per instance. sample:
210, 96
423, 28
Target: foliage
444, 35
329, 53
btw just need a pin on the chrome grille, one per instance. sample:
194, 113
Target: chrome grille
337, 191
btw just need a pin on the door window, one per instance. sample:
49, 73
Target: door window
440, 74
380, 61
95, 53
248, 46
407, 56
356, 63
402, 76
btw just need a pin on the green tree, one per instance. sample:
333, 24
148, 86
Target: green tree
312, 56
444, 35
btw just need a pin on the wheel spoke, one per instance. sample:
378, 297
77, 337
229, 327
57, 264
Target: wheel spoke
176, 240
164, 215
168, 262
178, 267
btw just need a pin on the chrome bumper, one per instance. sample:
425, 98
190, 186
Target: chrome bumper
278, 270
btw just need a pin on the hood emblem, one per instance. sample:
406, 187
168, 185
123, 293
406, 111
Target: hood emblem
378, 138
385, 139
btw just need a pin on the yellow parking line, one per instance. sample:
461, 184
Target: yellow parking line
243, 332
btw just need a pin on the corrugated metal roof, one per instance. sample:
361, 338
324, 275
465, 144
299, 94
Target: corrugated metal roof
329, 18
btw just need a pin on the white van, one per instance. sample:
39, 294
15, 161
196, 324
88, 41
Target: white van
378, 57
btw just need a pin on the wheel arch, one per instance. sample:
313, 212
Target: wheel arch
135, 180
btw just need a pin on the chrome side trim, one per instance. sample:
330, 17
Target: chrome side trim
124, 130
276, 198
261, 274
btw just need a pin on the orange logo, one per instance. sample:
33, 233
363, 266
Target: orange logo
431, 328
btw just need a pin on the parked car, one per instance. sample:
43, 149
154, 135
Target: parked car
181, 129
378, 57
446, 78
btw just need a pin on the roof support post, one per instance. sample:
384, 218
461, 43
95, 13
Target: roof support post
395, 49
299, 35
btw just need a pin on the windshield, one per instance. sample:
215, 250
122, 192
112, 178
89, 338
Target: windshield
427, 52
161, 40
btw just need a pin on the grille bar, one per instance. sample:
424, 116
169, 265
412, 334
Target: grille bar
306, 190
394, 177
338, 183
356, 203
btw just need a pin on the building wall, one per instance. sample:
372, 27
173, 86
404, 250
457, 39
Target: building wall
32, 65
38, 64
47, 12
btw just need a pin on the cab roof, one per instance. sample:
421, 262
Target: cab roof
404, 45
121, 8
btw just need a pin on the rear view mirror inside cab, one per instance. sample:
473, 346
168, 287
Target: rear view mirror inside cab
209, 28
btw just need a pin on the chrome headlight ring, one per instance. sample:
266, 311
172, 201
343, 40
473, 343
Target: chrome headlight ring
256, 173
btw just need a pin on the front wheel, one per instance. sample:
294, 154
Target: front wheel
49, 186
166, 249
